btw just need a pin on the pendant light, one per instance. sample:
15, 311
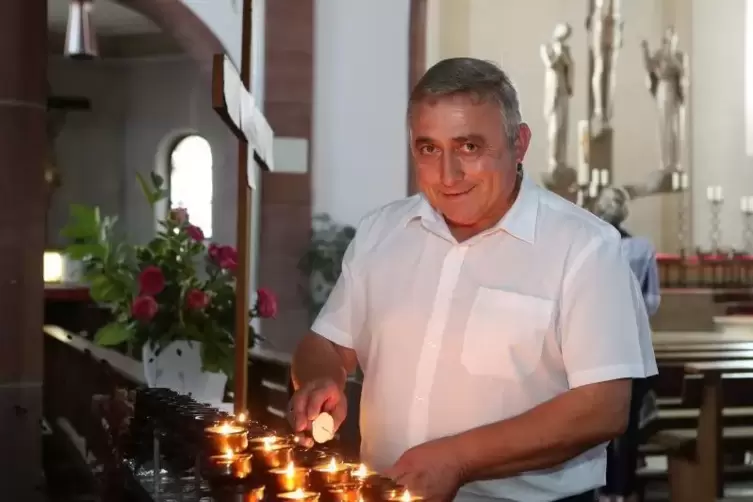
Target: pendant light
80, 38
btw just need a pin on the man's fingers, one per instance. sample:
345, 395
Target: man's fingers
299, 408
339, 411
316, 402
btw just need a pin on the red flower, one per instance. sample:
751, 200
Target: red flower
266, 303
179, 215
196, 299
215, 252
195, 233
151, 281
144, 308
228, 258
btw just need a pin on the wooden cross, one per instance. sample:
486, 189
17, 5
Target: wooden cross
232, 100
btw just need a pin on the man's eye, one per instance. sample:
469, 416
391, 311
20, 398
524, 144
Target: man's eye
469, 147
427, 150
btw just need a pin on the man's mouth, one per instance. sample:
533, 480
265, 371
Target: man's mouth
457, 194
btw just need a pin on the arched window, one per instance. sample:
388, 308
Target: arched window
191, 180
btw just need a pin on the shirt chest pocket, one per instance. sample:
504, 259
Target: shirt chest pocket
505, 333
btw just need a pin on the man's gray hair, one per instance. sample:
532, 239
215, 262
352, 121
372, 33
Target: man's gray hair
612, 205
483, 80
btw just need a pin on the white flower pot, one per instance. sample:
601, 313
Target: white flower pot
178, 367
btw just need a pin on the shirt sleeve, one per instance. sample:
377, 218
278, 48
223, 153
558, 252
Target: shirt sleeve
343, 317
652, 294
604, 330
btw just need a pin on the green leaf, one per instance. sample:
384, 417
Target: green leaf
103, 290
82, 251
83, 223
146, 189
157, 180
113, 334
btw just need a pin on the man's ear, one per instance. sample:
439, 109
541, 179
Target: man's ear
522, 142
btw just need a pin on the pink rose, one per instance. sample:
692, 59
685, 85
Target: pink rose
195, 233
179, 215
228, 258
151, 281
215, 252
144, 308
196, 299
266, 303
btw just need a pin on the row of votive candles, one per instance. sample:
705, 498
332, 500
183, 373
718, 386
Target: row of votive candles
273, 455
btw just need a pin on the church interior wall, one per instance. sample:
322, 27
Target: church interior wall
712, 34
136, 105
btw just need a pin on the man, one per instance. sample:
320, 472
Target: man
622, 452
497, 325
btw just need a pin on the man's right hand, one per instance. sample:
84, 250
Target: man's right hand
315, 397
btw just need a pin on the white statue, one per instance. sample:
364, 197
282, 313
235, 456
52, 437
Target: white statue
605, 39
668, 74
558, 89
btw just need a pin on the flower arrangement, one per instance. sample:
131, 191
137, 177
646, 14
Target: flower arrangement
174, 288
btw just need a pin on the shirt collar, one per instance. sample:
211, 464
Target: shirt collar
519, 221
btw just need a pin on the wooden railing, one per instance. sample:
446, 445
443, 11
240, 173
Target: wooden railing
77, 371
733, 271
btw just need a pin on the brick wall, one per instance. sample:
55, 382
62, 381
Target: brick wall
286, 198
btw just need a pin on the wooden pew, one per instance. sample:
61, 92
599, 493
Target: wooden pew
696, 470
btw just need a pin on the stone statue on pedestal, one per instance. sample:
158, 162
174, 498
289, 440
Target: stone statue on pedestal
667, 72
605, 39
558, 89
667, 75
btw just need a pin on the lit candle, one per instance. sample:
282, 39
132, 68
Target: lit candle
403, 496
349, 492
272, 453
332, 473
290, 478
361, 472
299, 495
226, 437
230, 465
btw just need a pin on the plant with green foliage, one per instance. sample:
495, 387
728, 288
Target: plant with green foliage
322, 262
174, 288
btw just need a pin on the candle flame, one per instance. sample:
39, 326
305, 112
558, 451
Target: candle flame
361, 472
229, 454
290, 469
268, 442
224, 428
332, 466
241, 417
298, 494
406, 496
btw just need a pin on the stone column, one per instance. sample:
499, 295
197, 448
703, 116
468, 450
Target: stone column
23, 63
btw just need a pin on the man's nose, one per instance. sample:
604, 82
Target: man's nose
452, 170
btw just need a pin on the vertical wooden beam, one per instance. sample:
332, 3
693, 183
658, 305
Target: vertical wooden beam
416, 62
23, 144
243, 236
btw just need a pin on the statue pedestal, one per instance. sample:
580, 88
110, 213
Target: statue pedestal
600, 151
562, 181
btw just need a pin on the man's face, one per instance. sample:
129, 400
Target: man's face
464, 164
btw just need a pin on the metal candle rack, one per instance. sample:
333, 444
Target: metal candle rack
172, 457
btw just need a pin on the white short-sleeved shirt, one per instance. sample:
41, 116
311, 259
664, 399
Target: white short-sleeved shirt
452, 336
